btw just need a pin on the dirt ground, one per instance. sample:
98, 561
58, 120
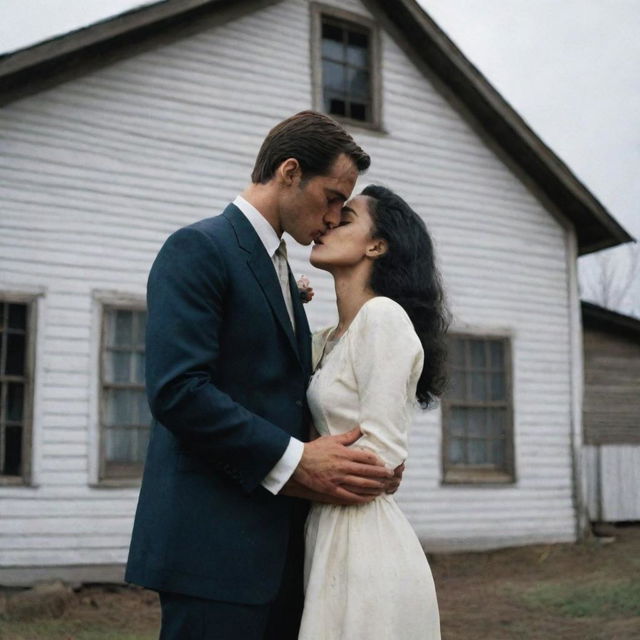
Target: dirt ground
589, 591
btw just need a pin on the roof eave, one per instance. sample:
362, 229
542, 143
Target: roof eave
598, 317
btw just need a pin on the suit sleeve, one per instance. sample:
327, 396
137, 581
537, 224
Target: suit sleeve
185, 300
386, 356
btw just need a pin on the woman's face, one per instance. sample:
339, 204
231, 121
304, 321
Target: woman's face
351, 242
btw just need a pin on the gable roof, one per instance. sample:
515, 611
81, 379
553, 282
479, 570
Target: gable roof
596, 317
51, 62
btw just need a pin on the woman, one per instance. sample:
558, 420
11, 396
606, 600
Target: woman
366, 575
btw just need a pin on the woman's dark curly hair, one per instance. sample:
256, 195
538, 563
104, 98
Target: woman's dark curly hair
407, 274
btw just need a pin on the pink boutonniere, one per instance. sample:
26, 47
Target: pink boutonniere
304, 289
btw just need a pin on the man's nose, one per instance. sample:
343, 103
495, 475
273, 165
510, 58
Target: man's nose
332, 217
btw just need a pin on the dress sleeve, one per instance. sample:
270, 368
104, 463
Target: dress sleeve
387, 357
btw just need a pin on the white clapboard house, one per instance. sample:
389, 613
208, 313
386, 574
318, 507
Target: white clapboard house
113, 136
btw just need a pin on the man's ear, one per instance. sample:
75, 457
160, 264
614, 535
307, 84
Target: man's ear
288, 171
377, 248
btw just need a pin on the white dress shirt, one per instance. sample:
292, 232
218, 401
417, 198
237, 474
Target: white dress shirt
284, 468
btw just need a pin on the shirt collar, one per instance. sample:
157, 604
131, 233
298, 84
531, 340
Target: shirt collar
265, 231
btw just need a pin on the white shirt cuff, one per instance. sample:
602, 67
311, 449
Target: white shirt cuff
284, 468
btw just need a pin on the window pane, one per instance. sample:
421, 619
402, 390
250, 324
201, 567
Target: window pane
456, 451
357, 49
120, 445
332, 32
496, 423
18, 316
476, 423
498, 452
478, 354
358, 39
123, 327
12, 463
333, 49
16, 348
141, 326
143, 443
335, 106
478, 391
358, 111
15, 401
333, 77
477, 451
496, 354
457, 386
121, 407
358, 84
458, 421
456, 352
498, 391
138, 375
144, 413
118, 366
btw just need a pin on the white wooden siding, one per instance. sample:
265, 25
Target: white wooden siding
613, 481
95, 173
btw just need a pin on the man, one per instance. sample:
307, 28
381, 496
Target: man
218, 530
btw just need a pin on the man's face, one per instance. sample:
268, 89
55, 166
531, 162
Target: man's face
309, 208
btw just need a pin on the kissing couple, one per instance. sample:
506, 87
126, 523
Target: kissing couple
266, 507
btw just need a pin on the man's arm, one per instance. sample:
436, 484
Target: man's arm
186, 297
330, 471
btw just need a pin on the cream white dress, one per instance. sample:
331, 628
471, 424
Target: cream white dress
366, 575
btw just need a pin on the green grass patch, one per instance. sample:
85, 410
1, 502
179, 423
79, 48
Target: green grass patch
65, 630
599, 599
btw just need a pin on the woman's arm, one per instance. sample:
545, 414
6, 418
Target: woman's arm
387, 357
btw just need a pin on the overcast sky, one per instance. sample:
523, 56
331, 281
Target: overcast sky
571, 68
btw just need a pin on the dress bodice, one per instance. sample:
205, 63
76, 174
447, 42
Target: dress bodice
368, 379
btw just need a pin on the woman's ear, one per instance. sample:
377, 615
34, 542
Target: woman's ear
377, 248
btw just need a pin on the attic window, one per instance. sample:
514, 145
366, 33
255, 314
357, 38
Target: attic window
346, 66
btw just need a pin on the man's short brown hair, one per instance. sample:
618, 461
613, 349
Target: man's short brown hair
313, 139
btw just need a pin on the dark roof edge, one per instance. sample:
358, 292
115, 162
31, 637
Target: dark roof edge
504, 124
605, 319
16, 61
27, 71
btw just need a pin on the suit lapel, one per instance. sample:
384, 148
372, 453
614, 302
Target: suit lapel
264, 272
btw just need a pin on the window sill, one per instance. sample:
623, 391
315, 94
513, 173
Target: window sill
15, 481
117, 483
477, 477
371, 127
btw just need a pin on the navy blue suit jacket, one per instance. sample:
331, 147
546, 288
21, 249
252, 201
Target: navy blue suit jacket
226, 379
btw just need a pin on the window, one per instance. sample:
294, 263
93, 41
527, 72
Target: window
124, 412
16, 336
477, 411
346, 67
